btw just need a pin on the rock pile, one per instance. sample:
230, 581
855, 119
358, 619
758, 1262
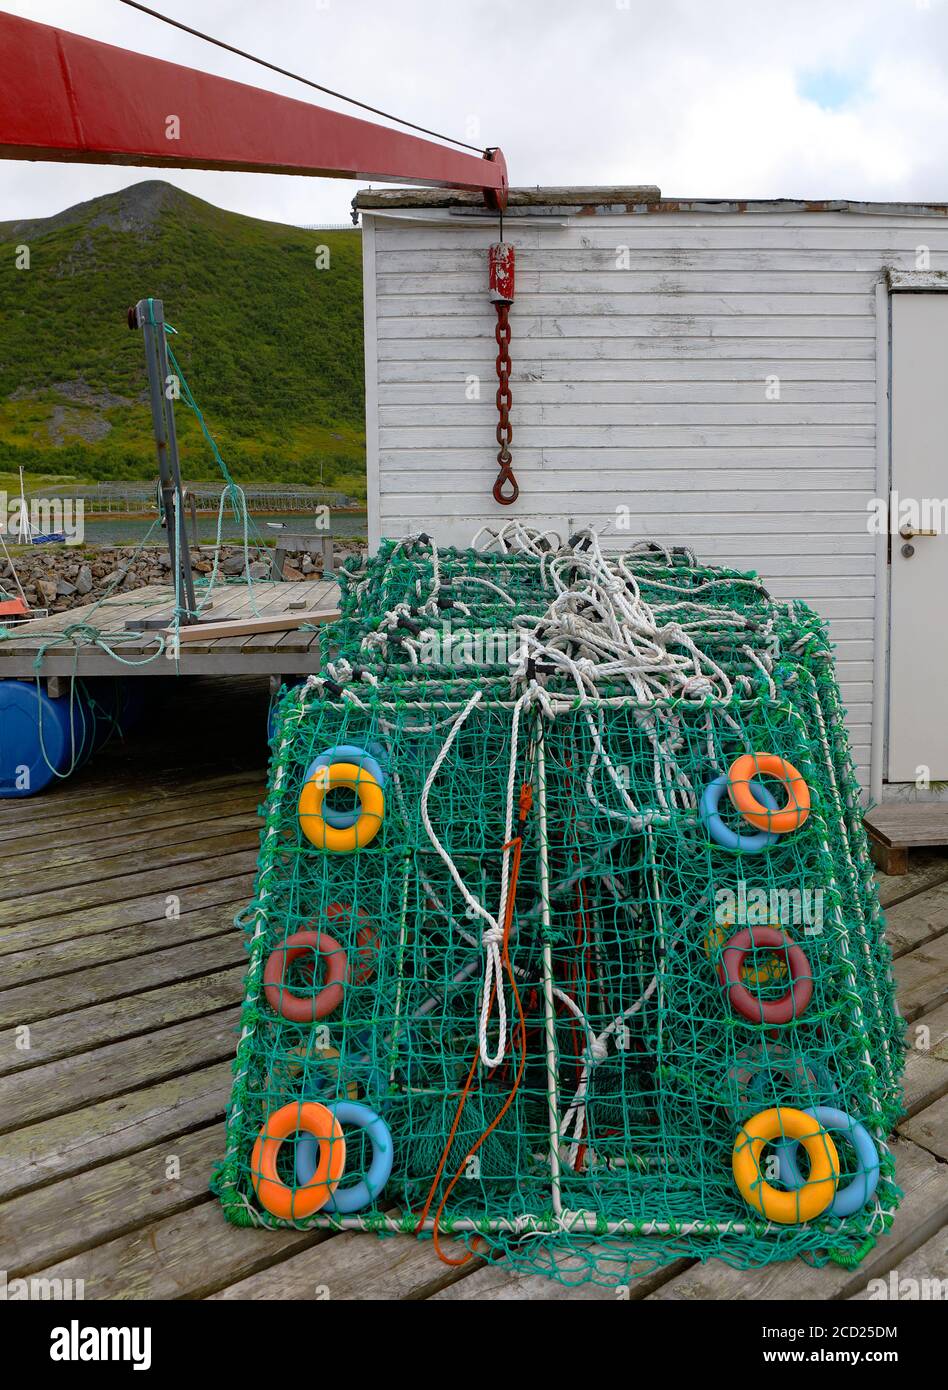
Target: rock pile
64, 577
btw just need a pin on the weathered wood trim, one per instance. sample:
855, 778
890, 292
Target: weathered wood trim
622, 196
249, 627
916, 281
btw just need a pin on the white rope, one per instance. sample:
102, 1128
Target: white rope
493, 933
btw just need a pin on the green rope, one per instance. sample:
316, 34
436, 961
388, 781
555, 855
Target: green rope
231, 493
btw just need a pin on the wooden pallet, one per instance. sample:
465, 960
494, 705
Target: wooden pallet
113, 1118
895, 827
282, 650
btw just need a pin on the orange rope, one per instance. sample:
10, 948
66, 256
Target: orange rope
516, 844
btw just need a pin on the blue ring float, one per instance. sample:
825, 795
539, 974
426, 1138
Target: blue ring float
373, 1080
722, 834
346, 1200
854, 1196
345, 753
762, 1073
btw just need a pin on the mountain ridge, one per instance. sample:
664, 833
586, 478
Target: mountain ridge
270, 342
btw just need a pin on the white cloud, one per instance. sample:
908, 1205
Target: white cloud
703, 99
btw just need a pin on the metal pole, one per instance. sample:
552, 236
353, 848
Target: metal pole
549, 1008
148, 315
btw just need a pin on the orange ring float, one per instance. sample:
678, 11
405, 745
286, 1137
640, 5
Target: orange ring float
750, 765
294, 1203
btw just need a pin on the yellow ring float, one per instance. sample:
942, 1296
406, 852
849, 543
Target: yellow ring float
771, 972
329, 1061
371, 803
816, 1194
741, 774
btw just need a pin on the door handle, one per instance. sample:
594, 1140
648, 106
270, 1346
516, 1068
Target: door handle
909, 532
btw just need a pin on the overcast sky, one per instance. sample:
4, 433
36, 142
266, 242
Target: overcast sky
717, 98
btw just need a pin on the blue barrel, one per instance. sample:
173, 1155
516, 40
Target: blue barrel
41, 737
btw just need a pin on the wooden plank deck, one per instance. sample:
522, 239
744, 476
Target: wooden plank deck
113, 1117
288, 651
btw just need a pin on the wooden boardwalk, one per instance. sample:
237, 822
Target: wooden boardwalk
290, 651
113, 1117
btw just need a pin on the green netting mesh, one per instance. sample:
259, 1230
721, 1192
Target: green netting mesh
523, 973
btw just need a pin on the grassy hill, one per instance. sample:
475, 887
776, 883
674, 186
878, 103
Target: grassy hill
271, 346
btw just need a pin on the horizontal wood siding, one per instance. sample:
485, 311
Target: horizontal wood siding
644, 388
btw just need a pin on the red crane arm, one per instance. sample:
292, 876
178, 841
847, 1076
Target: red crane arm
65, 97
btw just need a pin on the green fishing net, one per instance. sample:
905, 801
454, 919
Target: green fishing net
544, 1001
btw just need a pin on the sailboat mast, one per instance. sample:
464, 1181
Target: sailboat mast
25, 529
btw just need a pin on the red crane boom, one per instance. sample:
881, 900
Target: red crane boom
69, 98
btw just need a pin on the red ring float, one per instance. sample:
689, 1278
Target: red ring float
366, 940
295, 1007
790, 1005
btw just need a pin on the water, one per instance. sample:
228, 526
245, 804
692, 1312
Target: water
115, 530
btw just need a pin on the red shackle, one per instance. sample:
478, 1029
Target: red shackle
500, 272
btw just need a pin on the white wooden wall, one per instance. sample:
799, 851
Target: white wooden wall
645, 388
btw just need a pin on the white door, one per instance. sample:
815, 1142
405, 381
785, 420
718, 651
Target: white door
918, 627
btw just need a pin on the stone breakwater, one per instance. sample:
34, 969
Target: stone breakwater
62, 577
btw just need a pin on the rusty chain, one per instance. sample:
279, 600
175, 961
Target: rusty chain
505, 478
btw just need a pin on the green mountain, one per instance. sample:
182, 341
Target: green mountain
270, 343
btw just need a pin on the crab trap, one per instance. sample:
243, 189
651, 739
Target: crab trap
565, 946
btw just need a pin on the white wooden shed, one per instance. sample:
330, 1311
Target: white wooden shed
741, 377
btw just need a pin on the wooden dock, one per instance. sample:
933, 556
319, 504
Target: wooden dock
289, 651
120, 957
